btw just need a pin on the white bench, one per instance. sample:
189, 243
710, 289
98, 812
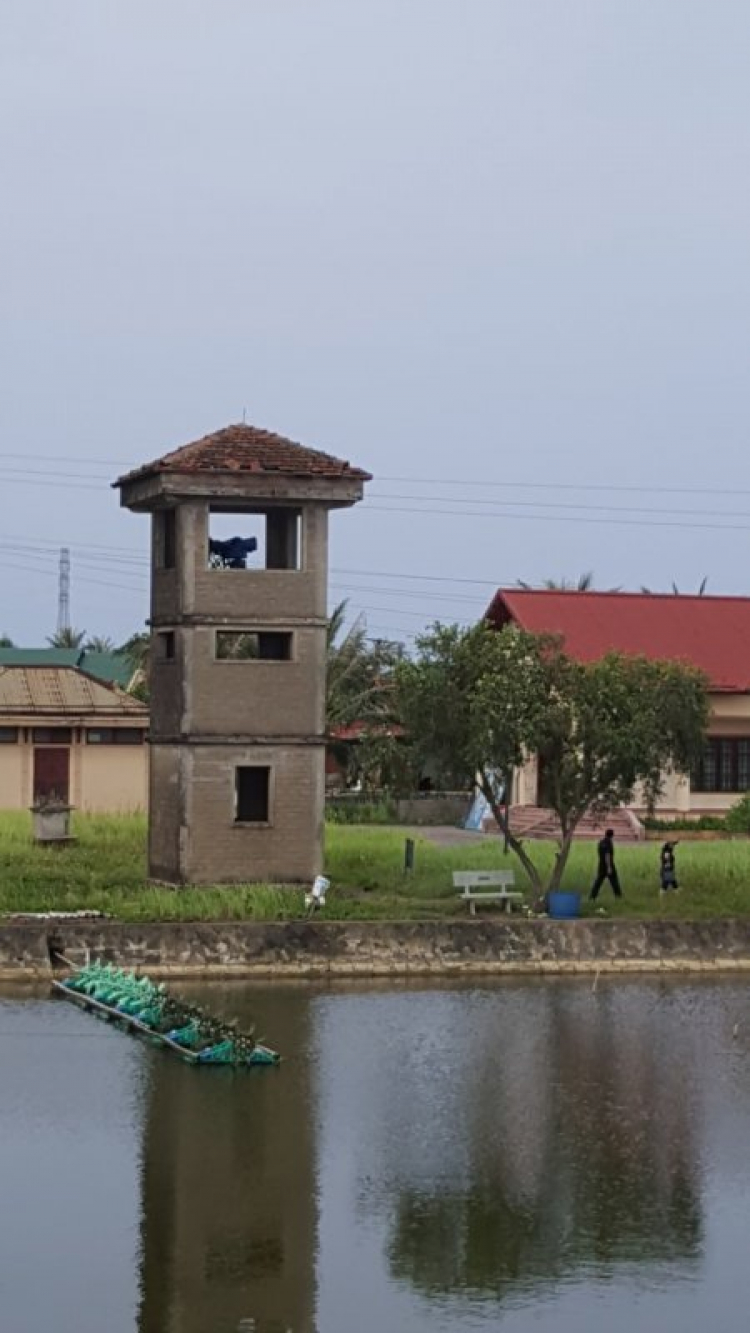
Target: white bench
486, 886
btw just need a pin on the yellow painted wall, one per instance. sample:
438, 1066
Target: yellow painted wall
104, 779
114, 778
11, 770
730, 716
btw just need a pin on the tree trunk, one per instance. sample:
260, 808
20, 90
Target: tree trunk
514, 843
561, 860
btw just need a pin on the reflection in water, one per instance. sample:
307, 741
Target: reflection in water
229, 1215
510, 1143
70, 1131
580, 1153
528, 1154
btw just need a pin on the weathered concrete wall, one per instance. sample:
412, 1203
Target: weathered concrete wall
369, 949
210, 716
257, 698
194, 837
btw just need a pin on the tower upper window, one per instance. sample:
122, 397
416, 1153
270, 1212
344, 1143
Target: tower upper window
254, 538
166, 538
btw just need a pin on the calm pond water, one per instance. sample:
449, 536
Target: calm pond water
522, 1155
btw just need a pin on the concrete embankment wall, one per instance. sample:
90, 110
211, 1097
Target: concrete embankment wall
378, 949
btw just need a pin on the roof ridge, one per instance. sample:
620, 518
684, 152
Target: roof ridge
629, 593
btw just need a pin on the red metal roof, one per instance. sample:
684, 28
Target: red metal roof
354, 731
712, 633
244, 448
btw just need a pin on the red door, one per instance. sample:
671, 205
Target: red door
51, 773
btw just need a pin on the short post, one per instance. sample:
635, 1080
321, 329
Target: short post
408, 856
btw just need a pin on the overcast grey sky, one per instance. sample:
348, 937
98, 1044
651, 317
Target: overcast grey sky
457, 241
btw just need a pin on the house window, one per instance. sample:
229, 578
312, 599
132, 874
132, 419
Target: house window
52, 735
252, 795
8, 735
114, 736
723, 767
165, 645
257, 645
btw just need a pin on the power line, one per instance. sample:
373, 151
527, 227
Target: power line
66, 458
397, 592
485, 484
431, 578
552, 504
547, 518
52, 573
58, 485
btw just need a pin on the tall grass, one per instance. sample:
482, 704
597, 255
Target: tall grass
105, 870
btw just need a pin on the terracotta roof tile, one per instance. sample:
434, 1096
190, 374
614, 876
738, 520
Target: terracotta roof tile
712, 633
244, 448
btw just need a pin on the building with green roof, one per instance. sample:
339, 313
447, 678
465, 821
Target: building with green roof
111, 668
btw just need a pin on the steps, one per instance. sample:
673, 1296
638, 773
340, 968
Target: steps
531, 821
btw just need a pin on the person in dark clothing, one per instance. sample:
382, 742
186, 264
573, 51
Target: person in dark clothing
668, 867
606, 869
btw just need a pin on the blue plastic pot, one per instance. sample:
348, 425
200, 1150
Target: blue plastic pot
563, 906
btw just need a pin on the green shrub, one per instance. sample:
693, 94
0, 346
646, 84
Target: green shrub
705, 823
361, 812
738, 818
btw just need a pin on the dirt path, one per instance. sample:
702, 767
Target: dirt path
446, 835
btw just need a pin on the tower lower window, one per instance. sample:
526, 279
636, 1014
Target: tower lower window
249, 645
252, 795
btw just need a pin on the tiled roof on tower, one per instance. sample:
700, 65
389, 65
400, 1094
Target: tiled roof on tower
243, 449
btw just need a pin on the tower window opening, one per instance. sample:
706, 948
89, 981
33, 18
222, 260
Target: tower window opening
166, 539
254, 539
253, 645
252, 794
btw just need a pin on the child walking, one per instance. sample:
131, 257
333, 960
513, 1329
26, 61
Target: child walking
668, 867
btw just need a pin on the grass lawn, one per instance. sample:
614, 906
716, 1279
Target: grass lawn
106, 868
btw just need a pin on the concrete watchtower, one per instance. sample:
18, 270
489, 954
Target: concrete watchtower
238, 653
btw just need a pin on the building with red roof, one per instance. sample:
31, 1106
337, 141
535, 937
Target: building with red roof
711, 633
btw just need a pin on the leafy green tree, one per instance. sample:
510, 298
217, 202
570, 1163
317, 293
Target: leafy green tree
479, 702
6, 641
67, 638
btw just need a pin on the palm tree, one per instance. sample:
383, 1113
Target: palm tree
360, 689
584, 583
99, 643
349, 683
359, 673
67, 638
137, 650
702, 586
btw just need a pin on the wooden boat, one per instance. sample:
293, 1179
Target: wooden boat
194, 1036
